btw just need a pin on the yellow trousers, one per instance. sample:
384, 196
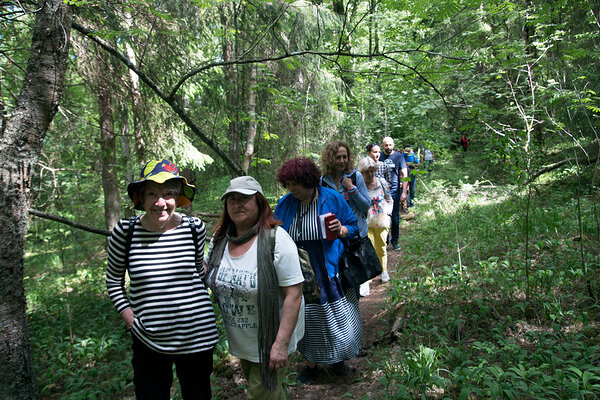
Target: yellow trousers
378, 237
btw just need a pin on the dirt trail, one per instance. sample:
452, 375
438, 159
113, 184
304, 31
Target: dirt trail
359, 383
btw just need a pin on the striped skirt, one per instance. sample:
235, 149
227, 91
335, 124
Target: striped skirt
333, 327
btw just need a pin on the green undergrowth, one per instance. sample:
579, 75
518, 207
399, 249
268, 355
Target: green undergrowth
503, 320
80, 347
480, 315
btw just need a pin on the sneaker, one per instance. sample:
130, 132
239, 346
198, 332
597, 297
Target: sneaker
364, 289
396, 247
339, 368
385, 277
307, 375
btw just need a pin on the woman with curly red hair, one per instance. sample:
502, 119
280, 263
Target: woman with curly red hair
333, 329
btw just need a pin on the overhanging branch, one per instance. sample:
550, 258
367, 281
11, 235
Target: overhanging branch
325, 54
170, 100
66, 221
98, 231
556, 165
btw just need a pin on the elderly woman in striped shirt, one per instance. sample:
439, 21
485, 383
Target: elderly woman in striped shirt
168, 309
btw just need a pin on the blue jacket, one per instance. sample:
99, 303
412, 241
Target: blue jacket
358, 198
329, 201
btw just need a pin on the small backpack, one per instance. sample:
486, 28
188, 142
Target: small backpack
310, 287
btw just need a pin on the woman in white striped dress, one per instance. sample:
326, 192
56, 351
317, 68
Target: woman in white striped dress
168, 309
333, 329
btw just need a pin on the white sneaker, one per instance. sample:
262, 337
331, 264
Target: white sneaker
385, 277
364, 289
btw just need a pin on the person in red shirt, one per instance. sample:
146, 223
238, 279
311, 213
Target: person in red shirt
464, 141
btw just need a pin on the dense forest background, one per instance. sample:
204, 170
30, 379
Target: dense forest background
227, 88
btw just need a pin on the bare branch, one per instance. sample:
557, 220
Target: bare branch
66, 221
91, 229
170, 100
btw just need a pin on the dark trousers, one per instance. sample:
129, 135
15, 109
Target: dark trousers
411, 190
429, 166
153, 373
395, 228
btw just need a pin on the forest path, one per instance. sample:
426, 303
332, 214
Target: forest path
359, 383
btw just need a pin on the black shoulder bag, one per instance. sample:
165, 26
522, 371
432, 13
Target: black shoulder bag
359, 262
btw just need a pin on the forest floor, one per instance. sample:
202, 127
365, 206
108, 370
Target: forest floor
360, 382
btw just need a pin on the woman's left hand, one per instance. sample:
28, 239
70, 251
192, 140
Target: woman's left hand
347, 183
336, 226
279, 358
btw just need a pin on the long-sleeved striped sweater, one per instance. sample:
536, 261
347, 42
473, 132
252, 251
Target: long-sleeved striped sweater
172, 308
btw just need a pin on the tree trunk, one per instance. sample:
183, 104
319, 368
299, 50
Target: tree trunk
532, 54
373, 28
249, 152
126, 156
136, 97
233, 132
108, 150
3, 119
20, 148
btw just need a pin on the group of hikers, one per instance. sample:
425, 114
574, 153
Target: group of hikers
253, 269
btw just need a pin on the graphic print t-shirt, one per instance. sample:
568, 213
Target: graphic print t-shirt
237, 294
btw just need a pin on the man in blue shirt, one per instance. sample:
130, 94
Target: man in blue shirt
397, 165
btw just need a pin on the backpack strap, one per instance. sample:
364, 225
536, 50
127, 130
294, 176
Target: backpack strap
353, 178
131, 228
325, 184
384, 185
391, 166
129, 238
192, 222
272, 233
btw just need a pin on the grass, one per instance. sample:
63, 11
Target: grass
491, 323
482, 321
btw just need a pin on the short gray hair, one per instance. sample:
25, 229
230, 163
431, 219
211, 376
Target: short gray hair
366, 163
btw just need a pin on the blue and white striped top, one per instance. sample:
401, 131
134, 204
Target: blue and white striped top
171, 306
